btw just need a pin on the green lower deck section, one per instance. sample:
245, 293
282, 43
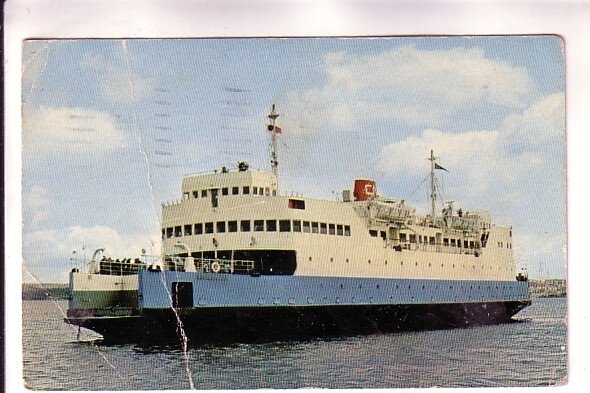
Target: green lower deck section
103, 299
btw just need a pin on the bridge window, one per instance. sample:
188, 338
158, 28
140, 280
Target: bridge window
314, 227
271, 225
224, 191
235, 190
453, 244
195, 194
412, 238
347, 230
373, 233
208, 227
285, 226
232, 226
306, 227
432, 240
446, 241
246, 190
332, 229
198, 229
383, 235
204, 194
220, 226
245, 226
188, 230
296, 226
267, 191
169, 232
339, 230
296, 204
323, 228
163, 233
258, 225
402, 237
178, 231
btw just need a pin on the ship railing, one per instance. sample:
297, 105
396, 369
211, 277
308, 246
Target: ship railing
228, 266
444, 248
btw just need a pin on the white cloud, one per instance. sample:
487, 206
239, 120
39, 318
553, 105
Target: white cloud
63, 131
118, 83
47, 252
409, 85
36, 205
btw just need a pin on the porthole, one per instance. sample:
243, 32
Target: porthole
409, 286
396, 286
341, 286
429, 264
377, 286
442, 265
402, 263
386, 262
346, 260
360, 286
331, 259
369, 261
453, 265
309, 259
416, 263
423, 286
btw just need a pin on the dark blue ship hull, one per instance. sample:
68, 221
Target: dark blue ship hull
211, 307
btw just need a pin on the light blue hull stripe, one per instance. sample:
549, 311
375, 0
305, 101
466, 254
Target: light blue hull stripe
226, 290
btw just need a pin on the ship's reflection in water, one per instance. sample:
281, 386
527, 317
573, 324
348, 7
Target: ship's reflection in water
531, 353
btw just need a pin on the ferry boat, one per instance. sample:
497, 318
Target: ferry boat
242, 261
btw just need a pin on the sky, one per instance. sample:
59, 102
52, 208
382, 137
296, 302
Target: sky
111, 126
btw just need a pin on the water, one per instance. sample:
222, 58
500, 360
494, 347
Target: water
529, 353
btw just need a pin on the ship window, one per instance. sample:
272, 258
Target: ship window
314, 227
188, 230
453, 243
271, 225
224, 191
208, 227
373, 233
383, 235
412, 238
267, 191
198, 229
339, 230
258, 225
220, 226
296, 226
465, 244
232, 226
296, 204
169, 232
446, 241
347, 230
178, 231
306, 227
285, 226
163, 233
203, 193
459, 243
471, 244
235, 190
195, 194
246, 190
245, 226
332, 229
402, 237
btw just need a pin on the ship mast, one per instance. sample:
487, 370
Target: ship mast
273, 139
432, 184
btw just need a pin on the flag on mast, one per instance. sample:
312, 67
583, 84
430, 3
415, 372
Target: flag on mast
436, 166
275, 129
